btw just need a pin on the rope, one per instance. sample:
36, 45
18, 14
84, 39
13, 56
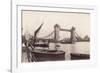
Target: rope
77, 36
48, 34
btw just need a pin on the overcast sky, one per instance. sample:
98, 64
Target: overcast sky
33, 19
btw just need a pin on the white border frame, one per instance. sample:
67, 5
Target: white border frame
17, 66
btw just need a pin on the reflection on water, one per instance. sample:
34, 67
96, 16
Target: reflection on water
78, 47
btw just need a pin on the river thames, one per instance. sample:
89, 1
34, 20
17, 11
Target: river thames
78, 47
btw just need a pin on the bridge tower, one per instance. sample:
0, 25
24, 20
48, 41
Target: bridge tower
56, 35
72, 38
56, 32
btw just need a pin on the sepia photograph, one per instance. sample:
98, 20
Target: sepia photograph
50, 37
54, 36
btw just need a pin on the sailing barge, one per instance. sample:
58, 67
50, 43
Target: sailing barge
36, 55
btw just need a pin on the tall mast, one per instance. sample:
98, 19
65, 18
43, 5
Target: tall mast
36, 32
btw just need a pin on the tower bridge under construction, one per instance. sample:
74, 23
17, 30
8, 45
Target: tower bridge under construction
54, 36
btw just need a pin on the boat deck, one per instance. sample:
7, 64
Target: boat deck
47, 51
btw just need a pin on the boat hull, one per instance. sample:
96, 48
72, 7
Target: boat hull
48, 55
78, 56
